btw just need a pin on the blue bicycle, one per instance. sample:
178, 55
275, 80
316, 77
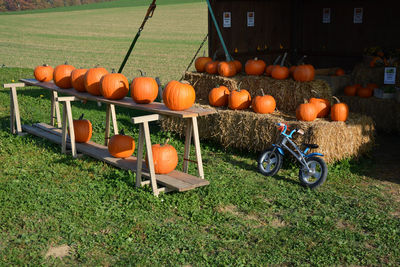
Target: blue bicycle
313, 169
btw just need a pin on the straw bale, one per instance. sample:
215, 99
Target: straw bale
288, 93
384, 112
254, 132
363, 74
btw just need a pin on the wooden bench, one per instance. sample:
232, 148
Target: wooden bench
174, 181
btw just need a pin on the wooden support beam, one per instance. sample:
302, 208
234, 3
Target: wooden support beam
147, 118
15, 119
188, 141
55, 110
197, 147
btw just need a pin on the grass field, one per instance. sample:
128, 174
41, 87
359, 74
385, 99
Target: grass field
50, 201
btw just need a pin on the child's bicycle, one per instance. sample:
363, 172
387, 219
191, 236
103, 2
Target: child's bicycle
313, 169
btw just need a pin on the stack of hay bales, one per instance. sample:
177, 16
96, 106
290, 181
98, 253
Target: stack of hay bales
249, 131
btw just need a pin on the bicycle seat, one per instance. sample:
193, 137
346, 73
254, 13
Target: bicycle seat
310, 145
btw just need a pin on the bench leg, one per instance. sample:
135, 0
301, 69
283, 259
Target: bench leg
64, 130
15, 119
110, 115
197, 147
140, 156
153, 180
188, 141
55, 110
68, 122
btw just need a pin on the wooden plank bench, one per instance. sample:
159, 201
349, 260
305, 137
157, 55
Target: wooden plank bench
174, 181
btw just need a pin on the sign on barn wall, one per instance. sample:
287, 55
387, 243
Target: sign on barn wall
227, 19
326, 15
358, 15
250, 19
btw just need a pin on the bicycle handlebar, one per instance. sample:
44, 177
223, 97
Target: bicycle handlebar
283, 128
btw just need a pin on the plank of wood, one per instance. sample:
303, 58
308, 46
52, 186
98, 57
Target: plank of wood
154, 107
9, 85
147, 118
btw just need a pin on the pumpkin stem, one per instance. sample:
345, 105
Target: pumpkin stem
185, 82
276, 60
305, 100
300, 61
122, 132
66, 63
81, 117
45, 65
283, 59
262, 91
337, 99
166, 142
256, 58
238, 86
215, 55
204, 53
142, 73
112, 70
316, 93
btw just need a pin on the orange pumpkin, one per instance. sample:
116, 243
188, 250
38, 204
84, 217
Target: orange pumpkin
165, 158
211, 67
226, 69
291, 70
114, 86
121, 145
201, 62
339, 111
78, 79
339, 72
322, 106
239, 99
43, 73
218, 96
144, 90
263, 104
280, 72
306, 112
350, 90
82, 130
365, 92
62, 75
92, 80
304, 73
269, 69
238, 66
254, 66
179, 95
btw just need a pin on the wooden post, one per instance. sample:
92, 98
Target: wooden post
197, 148
15, 120
67, 120
55, 110
110, 115
140, 156
188, 142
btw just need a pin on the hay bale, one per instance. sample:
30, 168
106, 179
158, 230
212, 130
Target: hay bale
288, 93
384, 112
254, 132
364, 74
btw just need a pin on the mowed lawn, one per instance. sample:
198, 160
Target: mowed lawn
90, 214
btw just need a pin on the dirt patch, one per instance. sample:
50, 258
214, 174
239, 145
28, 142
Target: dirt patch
58, 252
277, 222
345, 225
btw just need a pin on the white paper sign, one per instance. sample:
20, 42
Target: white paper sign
227, 19
358, 15
390, 75
250, 19
326, 15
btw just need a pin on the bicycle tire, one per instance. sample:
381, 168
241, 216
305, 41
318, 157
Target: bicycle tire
275, 159
318, 165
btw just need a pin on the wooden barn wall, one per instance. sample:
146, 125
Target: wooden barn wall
296, 26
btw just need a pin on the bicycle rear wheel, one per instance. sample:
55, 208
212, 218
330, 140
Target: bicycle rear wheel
317, 174
270, 162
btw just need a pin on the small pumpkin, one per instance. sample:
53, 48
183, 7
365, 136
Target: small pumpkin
306, 112
280, 72
82, 130
365, 92
114, 86
43, 73
144, 90
62, 75
291, 70
269, 69
218, 96
121, 145
322, 106
254, 66
165, 158
238, 65
263, 104
226, 69
211, 67
350, 90
78, 79
339, 111
239, 99
304, 73
179, 95
339, 72
201, 62
92, 80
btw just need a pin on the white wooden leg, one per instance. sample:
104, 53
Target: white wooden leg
140, 156
15, 107
107, 132
188, 141
71, 128
12, 114
150, 158
197, 148
55, 110
64, 130
114, 119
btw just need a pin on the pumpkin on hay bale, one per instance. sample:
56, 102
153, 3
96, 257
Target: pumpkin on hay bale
254, 132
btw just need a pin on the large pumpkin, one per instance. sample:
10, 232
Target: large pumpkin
218, 96
263, 104
82, 130
121, 145
304, 73
306, 112
201, 62
179, 95
92, 80
280, 72
211, 67
62, 76
43, 73
144, 90
78, 79
239, 99
339, 111
227, 69
254, 66
350, 90
238, 65
322, 106
165, 158
114, 86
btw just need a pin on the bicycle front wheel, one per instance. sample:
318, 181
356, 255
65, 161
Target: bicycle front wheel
269, 162
317, 174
